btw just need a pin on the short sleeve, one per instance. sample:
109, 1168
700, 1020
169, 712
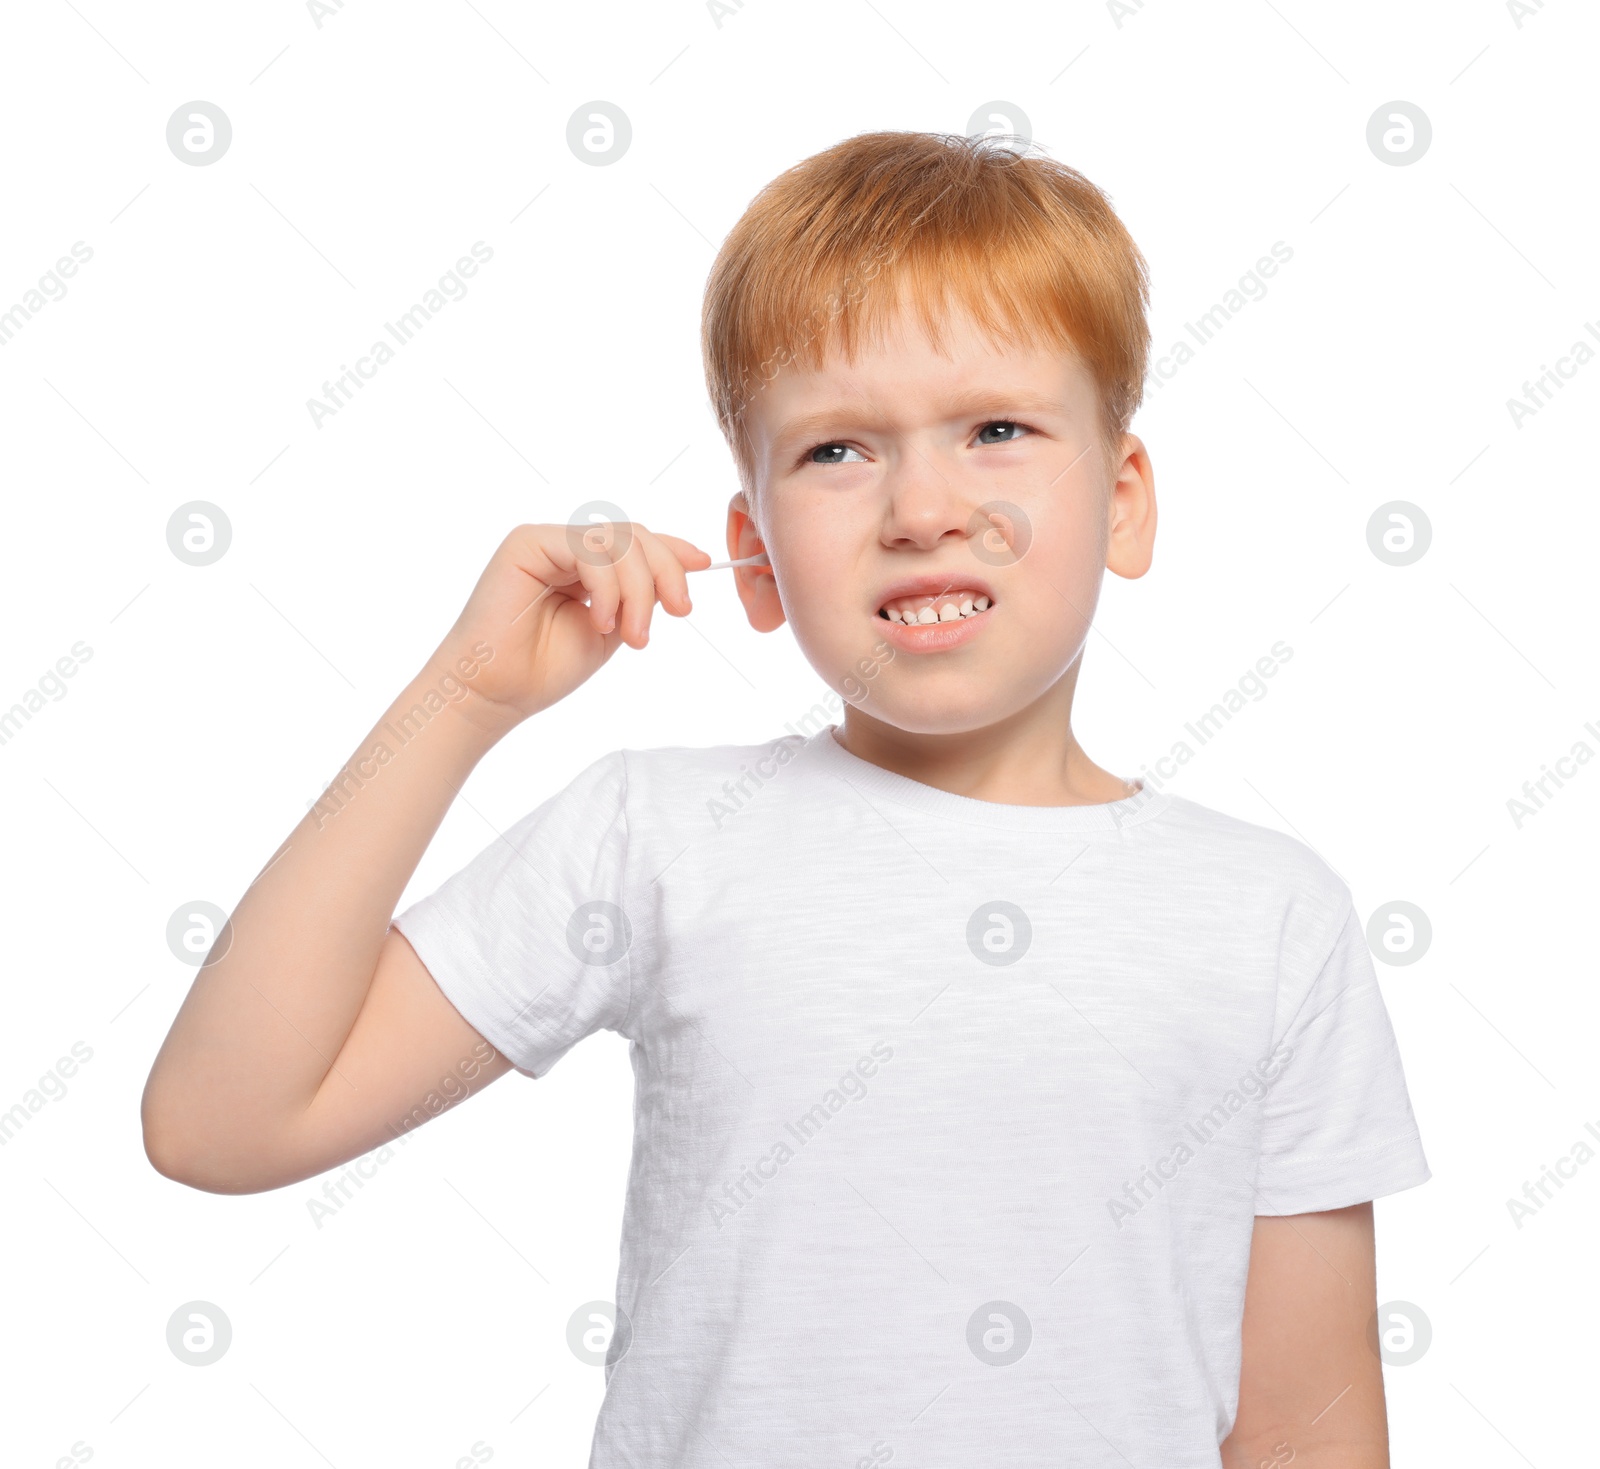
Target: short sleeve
531, 940
1337, 1125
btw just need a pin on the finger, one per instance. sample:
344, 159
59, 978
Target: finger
605, 594
637, 582
564, 568
587, 559
672, 585
533, 551
544, 553
686, 551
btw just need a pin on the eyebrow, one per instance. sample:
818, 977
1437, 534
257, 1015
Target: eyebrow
995, 401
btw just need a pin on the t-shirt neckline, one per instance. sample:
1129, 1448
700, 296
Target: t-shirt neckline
874, 780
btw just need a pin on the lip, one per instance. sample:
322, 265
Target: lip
934, 637
931, 584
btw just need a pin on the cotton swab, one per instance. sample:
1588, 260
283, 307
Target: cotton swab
759, 559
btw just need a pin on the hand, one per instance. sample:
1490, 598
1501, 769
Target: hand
553, 604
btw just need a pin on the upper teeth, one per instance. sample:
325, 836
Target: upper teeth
934, 609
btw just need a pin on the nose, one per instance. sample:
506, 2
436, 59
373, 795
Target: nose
927, 501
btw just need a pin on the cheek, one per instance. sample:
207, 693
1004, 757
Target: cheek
818, 599
821, 556
1067, 536
1060, 577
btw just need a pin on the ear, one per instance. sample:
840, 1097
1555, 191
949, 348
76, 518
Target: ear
1131, 533
758, 587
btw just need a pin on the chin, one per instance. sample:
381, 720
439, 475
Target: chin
972, 709
955, 701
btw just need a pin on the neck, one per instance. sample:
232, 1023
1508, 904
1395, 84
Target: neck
1030, 758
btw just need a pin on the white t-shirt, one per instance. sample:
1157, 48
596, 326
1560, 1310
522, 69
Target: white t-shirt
951, 1118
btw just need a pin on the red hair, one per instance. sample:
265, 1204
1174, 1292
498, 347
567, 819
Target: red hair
1029, 246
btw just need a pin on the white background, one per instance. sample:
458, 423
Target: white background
368, 154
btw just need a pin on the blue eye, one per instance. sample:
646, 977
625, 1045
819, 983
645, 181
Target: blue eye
832, 451
1003, 423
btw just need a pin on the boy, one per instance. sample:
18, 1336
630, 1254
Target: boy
989, 1107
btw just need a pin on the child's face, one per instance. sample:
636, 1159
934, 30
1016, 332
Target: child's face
909, 479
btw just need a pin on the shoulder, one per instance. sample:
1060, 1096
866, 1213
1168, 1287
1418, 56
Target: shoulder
658, 771
1287, 876
1247, 843
677, 788
682, 780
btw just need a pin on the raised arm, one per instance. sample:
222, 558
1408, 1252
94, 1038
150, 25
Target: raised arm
313, 1033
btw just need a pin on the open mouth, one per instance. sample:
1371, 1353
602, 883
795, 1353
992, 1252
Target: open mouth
953, 605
